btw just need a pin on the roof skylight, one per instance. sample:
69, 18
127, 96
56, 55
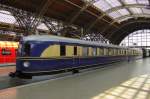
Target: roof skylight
122, 8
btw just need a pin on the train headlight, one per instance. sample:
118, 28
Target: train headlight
26, 64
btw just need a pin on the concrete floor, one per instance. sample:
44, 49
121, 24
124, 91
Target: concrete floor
120, 81
5, 70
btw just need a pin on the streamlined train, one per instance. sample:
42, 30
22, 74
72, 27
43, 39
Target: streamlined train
45, 54
8, 52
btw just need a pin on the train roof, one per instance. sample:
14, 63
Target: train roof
4, 44
66, 40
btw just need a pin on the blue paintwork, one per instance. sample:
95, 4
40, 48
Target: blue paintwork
55, 64
41, 64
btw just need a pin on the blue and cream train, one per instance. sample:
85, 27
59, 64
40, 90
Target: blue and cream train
45, 54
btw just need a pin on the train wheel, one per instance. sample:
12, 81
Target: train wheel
20, 75
11, 74
74, 71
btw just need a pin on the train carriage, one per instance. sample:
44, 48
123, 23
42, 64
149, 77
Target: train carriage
46, 54
8, 52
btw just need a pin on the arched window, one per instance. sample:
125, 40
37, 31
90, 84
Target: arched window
137, 38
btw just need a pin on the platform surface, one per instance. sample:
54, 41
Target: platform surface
5, 70
120, 81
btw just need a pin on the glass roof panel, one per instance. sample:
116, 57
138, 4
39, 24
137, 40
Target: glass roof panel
136, 10
123, 11
115, 14
146, 11
129, 1
118, 8
113, 3
143, 2
103, 5
119, 13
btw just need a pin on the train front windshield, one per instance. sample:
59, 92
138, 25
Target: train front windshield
24, 49
27, 49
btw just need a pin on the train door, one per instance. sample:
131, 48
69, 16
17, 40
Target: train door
79, 54
75, 59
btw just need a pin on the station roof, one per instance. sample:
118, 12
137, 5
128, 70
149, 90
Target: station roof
114, 19
121, 10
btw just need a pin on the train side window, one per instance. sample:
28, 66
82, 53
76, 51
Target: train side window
101, 51
75, 50
27, 49
124, 52
114, 52
94, 51
106, 52
109, 51
85, 51
62, 50
119, 52
98, 50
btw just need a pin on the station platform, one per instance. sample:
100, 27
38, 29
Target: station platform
125, 80
7, 64
5, 70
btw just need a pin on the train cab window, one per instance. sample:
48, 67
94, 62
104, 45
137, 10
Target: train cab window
6, 51
75, 50
62, 50
27, 49
94, 51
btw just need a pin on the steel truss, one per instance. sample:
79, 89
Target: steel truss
30, 21
95, 37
